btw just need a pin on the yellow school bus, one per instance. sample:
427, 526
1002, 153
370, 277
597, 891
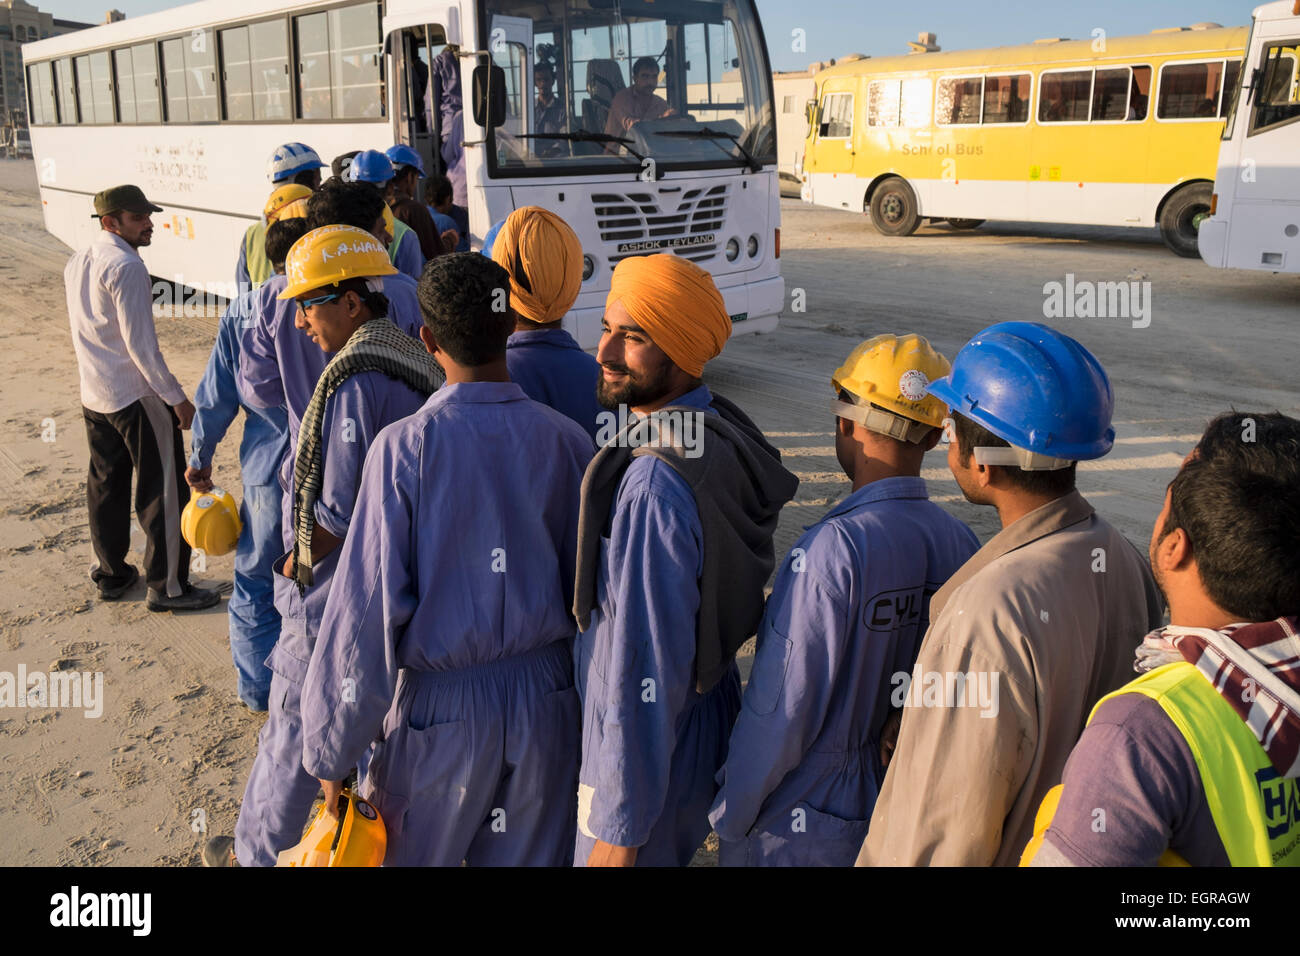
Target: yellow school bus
1119, 131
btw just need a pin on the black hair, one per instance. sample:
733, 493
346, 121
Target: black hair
280, 237
307, 177
972, 435
347, 204
1238, 501
465, 298
377, 302
437, 188
339, 161
646, 62
544, 65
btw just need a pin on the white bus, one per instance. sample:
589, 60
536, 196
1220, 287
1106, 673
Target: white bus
189, 103
1255, 210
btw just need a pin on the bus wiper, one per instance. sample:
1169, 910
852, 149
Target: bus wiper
585, 137
713, 135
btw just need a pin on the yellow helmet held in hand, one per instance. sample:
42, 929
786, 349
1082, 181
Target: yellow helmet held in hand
892, 372
356, 838
210, 522
331, 254
287, 202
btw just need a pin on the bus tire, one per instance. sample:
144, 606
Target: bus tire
965, 223
893, 208
1180, 218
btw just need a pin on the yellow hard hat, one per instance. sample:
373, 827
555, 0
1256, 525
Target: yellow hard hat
389, 223
282, 199
331, 254
356, 838
892, 372
210, 522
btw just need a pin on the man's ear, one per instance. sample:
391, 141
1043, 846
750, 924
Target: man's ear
844, 426
430, 343
931, 439
1173, 552
985, 477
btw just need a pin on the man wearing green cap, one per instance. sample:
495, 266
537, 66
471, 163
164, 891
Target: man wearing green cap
134, 410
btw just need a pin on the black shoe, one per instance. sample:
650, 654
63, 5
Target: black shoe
191, 599
115, 592
220, 851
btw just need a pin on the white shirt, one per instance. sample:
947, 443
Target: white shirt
111, 314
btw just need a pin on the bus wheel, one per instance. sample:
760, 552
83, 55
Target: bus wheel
1182, 216
893, 208
965, 223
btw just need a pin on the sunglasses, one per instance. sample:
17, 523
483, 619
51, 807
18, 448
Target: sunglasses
305, 304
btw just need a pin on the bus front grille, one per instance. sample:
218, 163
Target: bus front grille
637, 225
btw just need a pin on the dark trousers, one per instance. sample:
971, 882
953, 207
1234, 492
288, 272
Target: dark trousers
144, 437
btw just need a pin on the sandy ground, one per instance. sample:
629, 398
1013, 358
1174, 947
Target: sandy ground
169, 756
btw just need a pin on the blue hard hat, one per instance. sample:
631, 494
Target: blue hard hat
289, 160
402, 155
1034, 387
369, 166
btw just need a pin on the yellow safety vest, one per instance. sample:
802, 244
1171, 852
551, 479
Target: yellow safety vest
1256, 810
400, 229
259, 266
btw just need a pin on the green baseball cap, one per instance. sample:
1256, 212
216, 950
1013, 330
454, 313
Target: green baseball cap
117, 198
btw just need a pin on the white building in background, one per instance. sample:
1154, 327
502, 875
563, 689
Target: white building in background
21, 22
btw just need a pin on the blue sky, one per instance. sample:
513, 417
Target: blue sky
835, 27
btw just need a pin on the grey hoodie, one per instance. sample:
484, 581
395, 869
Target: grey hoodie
739, 486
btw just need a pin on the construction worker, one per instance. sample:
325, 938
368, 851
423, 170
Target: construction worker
404, 249
674, 549
1195, 761
447, 216
408, 167
458, 613
278, 365
292, 163
544, 260
376, 375
254, 621
848, 611
134, 410
1031, 630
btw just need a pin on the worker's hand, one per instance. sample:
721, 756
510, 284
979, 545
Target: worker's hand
200, 479
606, 854
184, 414
332, 789
288, 566
889, 737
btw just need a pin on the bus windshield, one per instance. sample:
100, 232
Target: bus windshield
604, 84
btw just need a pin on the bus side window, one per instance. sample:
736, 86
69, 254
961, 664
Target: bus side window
1139, 94
1063, 97
1278, 100
836, 116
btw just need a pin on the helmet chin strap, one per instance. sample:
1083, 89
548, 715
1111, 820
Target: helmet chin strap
1021, 458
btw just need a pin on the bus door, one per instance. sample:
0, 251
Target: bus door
418, 121
829, 159
510, 42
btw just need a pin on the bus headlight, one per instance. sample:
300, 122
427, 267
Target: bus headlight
733, 249
752, 246
588, 267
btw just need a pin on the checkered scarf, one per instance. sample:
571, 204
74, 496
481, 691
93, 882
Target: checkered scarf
377, 346
1254, 667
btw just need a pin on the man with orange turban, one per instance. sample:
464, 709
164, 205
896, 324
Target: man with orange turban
674, 549
543, 257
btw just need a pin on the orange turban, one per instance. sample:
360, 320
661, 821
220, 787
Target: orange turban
677, 304
544, 259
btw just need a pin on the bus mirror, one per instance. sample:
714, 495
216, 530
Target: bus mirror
489, 95
810, 111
